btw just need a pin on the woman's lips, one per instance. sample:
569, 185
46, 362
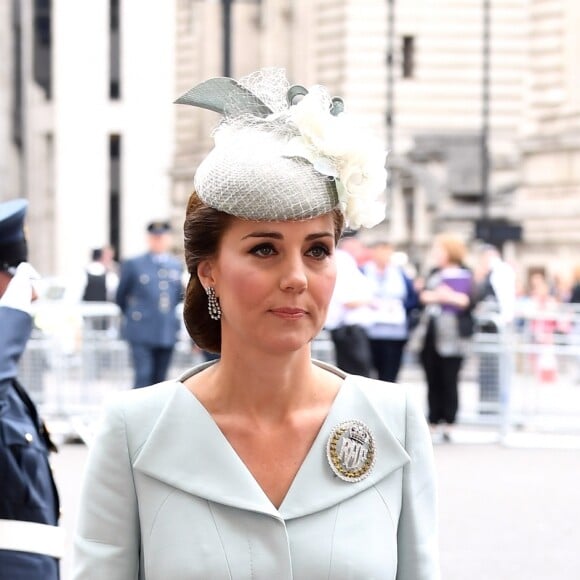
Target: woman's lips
291, 313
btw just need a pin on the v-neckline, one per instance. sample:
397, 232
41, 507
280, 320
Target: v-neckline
317, 442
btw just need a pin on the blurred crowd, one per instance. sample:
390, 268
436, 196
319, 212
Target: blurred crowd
498, 286
386, 310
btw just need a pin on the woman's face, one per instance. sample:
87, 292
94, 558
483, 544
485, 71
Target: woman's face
539, 286
440, 255
382, 255
274, 281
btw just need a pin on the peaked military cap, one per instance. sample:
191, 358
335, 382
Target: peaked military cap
159, 227
13, 247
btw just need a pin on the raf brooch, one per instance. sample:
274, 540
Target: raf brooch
351, 451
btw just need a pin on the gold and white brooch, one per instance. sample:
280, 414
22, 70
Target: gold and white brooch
351, 451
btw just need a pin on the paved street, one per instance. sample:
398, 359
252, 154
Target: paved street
509, 513
505, 513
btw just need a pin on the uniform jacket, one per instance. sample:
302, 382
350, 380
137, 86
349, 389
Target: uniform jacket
148, 293
27, 489
166, 496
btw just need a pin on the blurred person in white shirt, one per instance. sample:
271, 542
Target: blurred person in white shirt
101, 276
497, 284
349, 314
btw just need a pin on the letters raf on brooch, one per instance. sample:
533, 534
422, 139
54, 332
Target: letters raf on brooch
351, 451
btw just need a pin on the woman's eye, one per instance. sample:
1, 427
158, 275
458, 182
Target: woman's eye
319, 252
263, 250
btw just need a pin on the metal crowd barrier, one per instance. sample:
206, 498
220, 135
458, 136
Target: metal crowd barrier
524, 376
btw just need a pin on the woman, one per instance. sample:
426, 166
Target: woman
263, 464
446, 297
394, 298
545, 323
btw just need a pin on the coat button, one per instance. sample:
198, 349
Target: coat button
29, 438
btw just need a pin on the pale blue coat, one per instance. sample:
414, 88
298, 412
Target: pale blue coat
167, 498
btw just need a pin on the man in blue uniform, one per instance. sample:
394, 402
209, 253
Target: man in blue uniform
30, 540
149, 290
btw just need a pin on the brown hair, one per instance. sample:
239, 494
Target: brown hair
454, 246
203, 229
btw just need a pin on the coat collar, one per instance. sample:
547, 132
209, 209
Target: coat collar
187, 450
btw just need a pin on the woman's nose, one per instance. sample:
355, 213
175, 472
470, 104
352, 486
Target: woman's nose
294, 276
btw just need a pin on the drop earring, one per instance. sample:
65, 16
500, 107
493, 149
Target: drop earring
213, 305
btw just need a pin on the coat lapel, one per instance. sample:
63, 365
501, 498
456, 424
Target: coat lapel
315, 486
187, 450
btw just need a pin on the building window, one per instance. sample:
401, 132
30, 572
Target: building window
114, 49
115, 192
408, 57
42, 45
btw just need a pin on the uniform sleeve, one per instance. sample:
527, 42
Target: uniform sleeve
16, 327
418, 550
124, 287
107, 539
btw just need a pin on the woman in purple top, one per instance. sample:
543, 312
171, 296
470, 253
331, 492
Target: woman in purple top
447, 302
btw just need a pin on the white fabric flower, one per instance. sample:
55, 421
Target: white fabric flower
335, 147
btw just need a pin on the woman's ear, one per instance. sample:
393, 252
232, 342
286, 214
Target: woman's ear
205, 273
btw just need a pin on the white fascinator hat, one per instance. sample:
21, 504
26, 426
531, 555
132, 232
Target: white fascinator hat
285, 152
